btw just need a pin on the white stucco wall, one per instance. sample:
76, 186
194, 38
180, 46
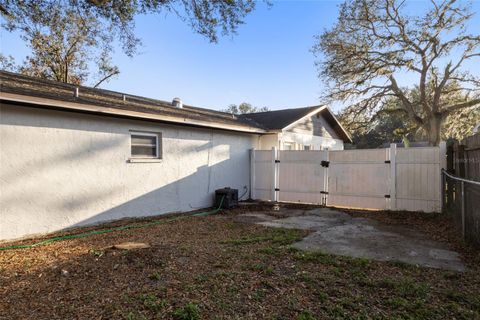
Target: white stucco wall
60, 170
268, 141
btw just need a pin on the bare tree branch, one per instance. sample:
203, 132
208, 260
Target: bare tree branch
105, 78
378, 41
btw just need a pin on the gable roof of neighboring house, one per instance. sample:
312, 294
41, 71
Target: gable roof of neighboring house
35, 92
25, 90
281, 119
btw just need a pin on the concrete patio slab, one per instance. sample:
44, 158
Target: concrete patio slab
336, 232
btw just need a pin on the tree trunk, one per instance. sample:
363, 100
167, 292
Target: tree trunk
433, 130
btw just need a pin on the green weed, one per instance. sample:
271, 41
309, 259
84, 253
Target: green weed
188, 312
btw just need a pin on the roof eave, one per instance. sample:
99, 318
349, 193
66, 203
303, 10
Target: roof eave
349, 138
72, 106
316, 110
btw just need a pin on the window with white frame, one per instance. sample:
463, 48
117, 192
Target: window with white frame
145, 145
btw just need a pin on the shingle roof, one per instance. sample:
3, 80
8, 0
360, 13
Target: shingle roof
58, 95
278, 119
40, 88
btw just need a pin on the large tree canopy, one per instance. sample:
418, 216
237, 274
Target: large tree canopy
375, 43
392, 124
67, 37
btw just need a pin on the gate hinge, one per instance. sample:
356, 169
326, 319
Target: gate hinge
277, 189
387, 196
387, 161
325, 163
324, 192
277, 161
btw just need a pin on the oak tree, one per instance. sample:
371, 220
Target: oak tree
70, 38
375, 43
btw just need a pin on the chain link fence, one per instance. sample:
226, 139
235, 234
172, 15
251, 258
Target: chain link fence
461, 199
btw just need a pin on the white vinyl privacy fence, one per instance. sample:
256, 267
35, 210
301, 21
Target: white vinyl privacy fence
384, 179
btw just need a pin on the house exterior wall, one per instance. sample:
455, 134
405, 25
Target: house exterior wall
315, 142
299, 140
313, 131
61, 170
268, 141
315, 125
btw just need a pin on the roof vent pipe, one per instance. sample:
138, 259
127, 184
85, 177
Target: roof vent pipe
76, 92
177, 103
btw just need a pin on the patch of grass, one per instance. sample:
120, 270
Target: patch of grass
471, 300
398, 303
349, 303
386, 283
201, 278
306, 278
263, 269
270, 251
287, 236
276, 236
405, 288
305, 315
319, 257
336, 312
259, 295
189, 311
363, 281
410, 288
247, 240
360, 263
322, 296
153, 303
402, 265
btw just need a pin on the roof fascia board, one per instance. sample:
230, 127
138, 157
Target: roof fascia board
128, 113
340, 125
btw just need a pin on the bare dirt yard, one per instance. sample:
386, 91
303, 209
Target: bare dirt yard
218, 267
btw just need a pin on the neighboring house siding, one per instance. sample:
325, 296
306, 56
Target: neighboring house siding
60, 170
315, 125
317, 143
314, 132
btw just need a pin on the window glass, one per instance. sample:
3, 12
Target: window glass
145, 145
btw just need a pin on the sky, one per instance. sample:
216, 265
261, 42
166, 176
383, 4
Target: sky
267, 63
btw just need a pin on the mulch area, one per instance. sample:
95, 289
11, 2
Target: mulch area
218, 268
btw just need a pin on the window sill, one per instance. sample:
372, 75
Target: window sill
144, 160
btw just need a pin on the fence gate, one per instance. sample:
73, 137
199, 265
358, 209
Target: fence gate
360, 179
383, 179
302, 176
